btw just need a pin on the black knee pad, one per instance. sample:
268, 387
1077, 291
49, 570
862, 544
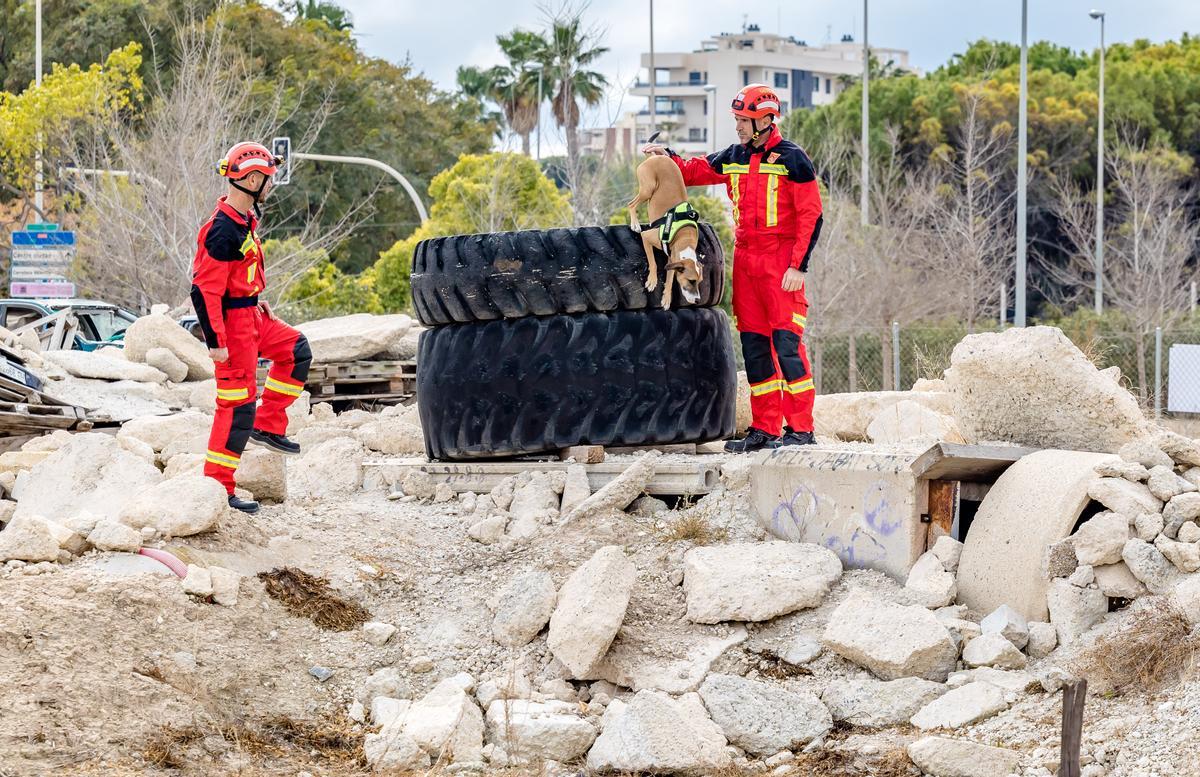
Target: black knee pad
240, 427
787, 350
756, 350
302, 357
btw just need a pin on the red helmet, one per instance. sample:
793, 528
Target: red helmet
245, 158
756, 101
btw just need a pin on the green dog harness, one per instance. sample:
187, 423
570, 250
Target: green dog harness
682, 215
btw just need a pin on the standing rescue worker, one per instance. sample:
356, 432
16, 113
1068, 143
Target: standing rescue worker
777, 219
227, 277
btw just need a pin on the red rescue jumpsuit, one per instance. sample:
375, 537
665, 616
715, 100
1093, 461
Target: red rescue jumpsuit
777, 219
227, 275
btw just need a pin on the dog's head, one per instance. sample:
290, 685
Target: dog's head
687, 274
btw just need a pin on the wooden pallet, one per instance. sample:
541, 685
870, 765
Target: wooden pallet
365, 382
25, 418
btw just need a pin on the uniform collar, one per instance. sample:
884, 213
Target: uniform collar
773, 139
232, 212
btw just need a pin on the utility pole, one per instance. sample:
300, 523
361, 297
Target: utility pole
1100, 176
653, 73
864, 200
37, 56
1022, 143
539, 118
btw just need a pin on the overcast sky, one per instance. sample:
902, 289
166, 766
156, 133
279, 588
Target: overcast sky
438, 41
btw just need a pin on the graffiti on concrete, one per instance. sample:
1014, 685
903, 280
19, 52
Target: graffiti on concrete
857, 533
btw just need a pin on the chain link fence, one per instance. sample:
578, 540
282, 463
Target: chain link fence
1160, 368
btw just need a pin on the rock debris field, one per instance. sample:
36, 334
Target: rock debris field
542, 629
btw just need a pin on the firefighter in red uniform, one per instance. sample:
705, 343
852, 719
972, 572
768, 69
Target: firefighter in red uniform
777, 219
227, 277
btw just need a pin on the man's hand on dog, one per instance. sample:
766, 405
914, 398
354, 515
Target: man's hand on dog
654, 149
793, 280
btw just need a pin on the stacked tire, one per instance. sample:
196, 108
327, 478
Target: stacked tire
540, 340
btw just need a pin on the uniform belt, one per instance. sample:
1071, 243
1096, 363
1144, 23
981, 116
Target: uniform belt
232, 303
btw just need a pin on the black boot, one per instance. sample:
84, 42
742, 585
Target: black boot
755, 440
792, 437
245, 505
276, 442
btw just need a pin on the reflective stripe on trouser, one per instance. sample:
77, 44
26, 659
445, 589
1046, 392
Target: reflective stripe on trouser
249, 335
771, 322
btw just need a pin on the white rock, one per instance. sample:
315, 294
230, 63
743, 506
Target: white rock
1185, 597
1144, 452
576, 489
993, 649
1165, 484
202, 395
263, 473
1116, 580
67, 540
182, 506
198, 582
670, 658
442, 493
870, 703
160, 331
1182, 450
332, 468
763, 718
1124, 497
523, 608
159, 431
1185, 507
1147, 526
801, 650
385, 709
92, 472
97, 365
58, 438
138, 448
113, 536
387, 682
395, 435
847, 416
655, 733
890, 640
946, 757
948, 550
225, 585
378, 633
417, 483
446, 720
166, 362
963, 705
1082, 577
619, 492
1074, 610
756, 581
1119, 468
908, 421
1099, 539
1188, 532
358, 336
930, 583
591, 607
184, 464
392, 749
1184, 555
533, 731
28, 538
1013, 680
537, 495
1008, 622
1043, 638
489, 530
1149, 565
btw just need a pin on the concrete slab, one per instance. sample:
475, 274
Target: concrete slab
1036, 502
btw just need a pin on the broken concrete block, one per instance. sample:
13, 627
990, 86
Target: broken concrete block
98, 365
354, 337
1011, 680
1115, 580
960, 706
1185, 597
655, 733
1148, 564
1124, 497
385, 709
523, 608
443, 493
930, 583
186, 505
1185, 507
1145, 452
489, 530
92, 472
1165, 484
1184, 555
1188, 532
961, 758
1059, 559
536, 496
801, 650
1006, 621
330, 468
28, 538
911, 422
198, 582
993, 649
620, 492
1147, 526
225, 585
1099, 539
576, 490
19, 461
202, 395
848, 416
756, 581
1043, 638
446, 721
591, 607
871, 703
890, 640
763, 718
1101, 416
393, 750
1074, 610
1119, 468
1183, 450
949, 551
263, 473
378, 633
184, 464
113, 536
166, 362
534, 731
417, 483
669, 658
160, 331
393, 435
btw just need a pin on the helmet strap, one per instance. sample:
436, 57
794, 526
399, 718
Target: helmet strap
254, 193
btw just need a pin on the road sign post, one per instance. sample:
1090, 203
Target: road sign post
41, 258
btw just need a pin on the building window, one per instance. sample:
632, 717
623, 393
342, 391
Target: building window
781, 80
828, 85
694, 77
783, 106
748, 44
745, 77
695, 135
817, 84
705, 106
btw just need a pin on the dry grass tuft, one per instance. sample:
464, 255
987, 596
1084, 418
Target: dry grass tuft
166, 749
840, 763
694, 529
771, 664
336, 742
311, 597
1154, 651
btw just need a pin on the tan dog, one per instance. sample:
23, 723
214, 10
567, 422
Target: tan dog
660, 183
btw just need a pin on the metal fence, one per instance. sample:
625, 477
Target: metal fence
1161, 369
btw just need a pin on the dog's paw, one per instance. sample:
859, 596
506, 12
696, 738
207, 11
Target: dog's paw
652, 283
636, 227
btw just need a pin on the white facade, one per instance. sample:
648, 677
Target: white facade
804, 76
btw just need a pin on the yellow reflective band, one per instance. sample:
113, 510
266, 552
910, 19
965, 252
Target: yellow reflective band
239, 393
772, 201
732, 169
799, 320
800, 386
220, 462
248, 243
736, 196
223, 458
250, 271
766, 388
773, 169
284, 388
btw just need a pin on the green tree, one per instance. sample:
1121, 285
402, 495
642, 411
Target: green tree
324, 290
494, 192
570, 53
330, 13
514, 87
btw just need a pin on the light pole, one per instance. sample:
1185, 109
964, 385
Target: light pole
653, 73
864, 200
539, 118
711, 90
1022, 143
1100, 175
37, 56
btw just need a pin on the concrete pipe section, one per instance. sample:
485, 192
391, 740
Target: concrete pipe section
1035, 503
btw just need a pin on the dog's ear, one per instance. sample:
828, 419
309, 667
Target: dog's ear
676, 266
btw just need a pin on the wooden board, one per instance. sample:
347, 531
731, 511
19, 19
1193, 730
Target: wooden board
583, 454
952, 461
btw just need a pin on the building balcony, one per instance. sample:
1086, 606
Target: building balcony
673, 89
662, 112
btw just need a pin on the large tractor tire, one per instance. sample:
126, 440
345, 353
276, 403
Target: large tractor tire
464, 278
531, 385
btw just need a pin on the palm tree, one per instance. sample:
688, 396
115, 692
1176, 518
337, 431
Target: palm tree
514, 86
336, 17
569, 51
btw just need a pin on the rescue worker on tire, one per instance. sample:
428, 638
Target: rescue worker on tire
777, 219
227, 277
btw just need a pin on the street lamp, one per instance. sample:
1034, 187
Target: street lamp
711, 96
37, 56
1022, 153
864, 200
1100, 175
653, 75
